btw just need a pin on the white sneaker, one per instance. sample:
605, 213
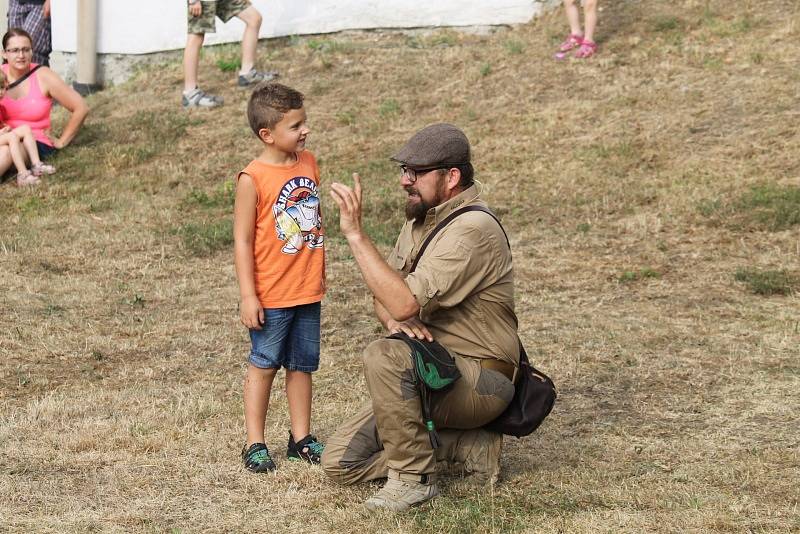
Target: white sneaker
198, 98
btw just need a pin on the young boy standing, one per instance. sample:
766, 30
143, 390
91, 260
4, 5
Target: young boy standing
201, 21
280, 264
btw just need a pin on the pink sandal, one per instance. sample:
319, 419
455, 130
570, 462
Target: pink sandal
570, 43
26, 178
587, 50
42, 168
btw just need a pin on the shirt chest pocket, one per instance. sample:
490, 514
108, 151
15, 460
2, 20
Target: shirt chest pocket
396, 261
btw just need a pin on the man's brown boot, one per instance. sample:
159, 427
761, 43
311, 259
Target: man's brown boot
474, 454
400, 495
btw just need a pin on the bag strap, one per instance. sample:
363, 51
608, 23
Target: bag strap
22, 78
439, 227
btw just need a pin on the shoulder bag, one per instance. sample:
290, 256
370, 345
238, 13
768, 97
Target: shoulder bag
534, 392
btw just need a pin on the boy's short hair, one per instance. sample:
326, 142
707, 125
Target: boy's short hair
268, 104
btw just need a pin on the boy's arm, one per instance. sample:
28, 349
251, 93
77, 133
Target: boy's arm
244, 218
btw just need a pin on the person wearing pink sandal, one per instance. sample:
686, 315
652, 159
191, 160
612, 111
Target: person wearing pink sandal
578, 39
27, 101
21, 144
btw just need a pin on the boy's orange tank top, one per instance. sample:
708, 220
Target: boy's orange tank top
288, 242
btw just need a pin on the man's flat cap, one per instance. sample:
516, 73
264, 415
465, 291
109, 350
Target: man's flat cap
437, 144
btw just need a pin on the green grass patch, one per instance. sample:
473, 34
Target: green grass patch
767, 282
514, 47
137, 139
222, 197
472, 515
767, 207
627, 277
442, 39
776, 207
388, 107
229, 65
328, 45
346, 118
665, 23
720, 27
206, 238
30, 206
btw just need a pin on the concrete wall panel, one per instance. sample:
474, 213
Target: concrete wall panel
146, 26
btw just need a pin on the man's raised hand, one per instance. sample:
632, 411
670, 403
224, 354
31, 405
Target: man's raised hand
349, 202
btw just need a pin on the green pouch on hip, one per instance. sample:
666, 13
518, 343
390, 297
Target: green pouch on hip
434, 370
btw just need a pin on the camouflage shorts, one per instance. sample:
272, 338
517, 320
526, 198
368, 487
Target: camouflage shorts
224, 9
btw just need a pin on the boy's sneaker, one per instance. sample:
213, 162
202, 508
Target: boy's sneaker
256, 458
256, 76
307, 449
198, 98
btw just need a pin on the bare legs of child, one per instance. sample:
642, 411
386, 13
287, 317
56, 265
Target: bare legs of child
252, 20
583, 41
248, 75
193, 96
21, 143
257, 388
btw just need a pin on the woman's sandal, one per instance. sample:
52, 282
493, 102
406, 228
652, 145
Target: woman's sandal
570, 43
26, 178
587, 50
42, 168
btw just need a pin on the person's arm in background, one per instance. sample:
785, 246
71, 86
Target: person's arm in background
54, 87
46, 9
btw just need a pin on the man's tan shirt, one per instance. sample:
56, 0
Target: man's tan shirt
464, 282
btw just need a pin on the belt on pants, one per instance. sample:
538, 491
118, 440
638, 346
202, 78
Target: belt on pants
504, 368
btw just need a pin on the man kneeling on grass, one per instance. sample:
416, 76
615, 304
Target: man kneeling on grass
461, 293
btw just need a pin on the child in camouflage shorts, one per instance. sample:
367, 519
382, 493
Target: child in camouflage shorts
202, 15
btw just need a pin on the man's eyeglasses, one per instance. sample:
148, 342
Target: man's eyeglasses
413, 174
14, 51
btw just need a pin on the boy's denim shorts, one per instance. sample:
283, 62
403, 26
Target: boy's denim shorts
288, 338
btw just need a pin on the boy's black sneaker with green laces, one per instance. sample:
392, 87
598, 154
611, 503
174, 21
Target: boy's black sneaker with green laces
307, 449
256, 458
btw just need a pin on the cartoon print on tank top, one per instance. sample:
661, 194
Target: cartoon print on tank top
297, 217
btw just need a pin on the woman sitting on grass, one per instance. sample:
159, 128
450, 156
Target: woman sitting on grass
11, 139
29, 98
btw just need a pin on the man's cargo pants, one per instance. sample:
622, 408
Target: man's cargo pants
388, 437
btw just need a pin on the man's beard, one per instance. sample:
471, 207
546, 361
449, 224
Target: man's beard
416, 211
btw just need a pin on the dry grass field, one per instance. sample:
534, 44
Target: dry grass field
652, 196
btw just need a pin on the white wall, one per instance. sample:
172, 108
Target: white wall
144, 26
3, 19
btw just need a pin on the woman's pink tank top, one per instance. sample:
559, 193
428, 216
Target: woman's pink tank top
32, 109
